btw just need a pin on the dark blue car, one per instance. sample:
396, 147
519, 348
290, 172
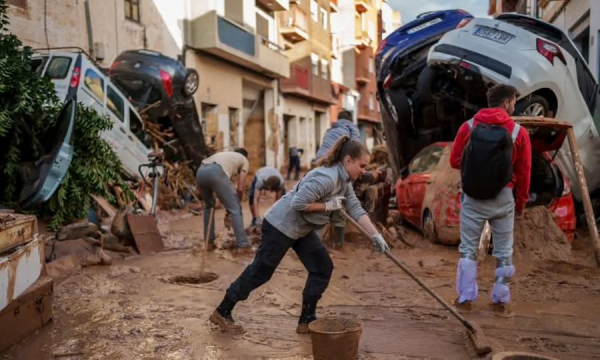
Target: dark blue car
401, 65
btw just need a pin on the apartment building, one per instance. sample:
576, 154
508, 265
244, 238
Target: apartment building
231, 43
580, 19
390, 20
367, 37
343, 58
306, 96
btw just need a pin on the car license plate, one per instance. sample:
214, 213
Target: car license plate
493, 34
424, 26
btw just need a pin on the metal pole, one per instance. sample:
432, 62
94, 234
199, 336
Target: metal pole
585, 194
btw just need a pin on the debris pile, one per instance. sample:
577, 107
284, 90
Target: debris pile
538, 237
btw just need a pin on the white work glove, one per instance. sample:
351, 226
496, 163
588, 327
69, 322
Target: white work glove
336, 203
380, 243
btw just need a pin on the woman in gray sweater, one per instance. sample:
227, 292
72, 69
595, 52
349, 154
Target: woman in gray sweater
291, 223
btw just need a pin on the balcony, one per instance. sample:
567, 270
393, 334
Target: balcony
298, 82
362, 5
363, 40
364, 67
224, 38
294, 25
304, 84
333, 5
275, 5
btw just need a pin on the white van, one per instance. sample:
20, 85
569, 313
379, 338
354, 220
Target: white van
74, 69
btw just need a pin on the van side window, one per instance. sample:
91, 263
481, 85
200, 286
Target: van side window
115, 102
95, 83
58, 68
137, 128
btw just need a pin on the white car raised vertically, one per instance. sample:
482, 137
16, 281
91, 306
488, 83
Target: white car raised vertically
539, 60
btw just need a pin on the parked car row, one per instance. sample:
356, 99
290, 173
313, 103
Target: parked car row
433, 74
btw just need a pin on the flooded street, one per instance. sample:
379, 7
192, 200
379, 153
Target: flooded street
134, 309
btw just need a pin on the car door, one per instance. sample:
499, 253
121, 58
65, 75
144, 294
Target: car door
51, 168
412, 188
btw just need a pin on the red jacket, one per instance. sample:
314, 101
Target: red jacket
521, 158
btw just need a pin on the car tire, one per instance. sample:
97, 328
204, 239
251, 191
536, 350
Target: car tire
532, 105
191, 82
424, 85
429, 230
397, 104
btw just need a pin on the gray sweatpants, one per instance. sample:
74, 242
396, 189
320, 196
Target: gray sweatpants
500, 212
212, 180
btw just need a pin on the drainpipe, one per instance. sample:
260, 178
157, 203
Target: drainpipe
88, 22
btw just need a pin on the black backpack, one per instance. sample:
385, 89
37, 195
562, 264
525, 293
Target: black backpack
486, 166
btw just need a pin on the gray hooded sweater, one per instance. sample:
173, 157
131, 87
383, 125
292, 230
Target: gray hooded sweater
332, 135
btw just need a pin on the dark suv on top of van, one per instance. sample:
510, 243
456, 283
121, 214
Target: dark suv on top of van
153, 79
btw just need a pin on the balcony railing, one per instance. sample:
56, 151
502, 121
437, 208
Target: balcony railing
363, 39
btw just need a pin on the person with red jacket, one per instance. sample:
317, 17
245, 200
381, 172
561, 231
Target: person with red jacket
498, 210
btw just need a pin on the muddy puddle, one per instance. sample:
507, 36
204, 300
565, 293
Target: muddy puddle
157, 307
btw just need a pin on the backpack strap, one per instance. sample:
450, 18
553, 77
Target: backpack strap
515, 132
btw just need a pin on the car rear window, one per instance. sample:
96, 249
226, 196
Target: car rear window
534, 27
58, 68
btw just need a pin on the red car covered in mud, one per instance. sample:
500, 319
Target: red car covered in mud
428, 194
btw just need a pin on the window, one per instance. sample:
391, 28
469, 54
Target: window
371, 102
58, 68
324, 19
137, 128
115, 102
18, 3
314, 10
363, 22
314, 59
426, 160
95, 83
132, 10
325, 68
596, 112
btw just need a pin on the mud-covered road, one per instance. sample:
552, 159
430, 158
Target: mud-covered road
132, 310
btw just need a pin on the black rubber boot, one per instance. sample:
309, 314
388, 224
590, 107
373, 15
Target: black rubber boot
308, 315
339, 236
222, 317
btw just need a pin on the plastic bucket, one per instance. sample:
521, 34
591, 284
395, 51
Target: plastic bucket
334, 339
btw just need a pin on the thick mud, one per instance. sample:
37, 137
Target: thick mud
537, 237
133, 309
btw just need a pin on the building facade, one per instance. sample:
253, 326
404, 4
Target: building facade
306, 96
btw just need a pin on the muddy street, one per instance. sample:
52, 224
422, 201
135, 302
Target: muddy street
153, 307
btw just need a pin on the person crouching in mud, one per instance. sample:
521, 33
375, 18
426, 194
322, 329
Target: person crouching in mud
292, 223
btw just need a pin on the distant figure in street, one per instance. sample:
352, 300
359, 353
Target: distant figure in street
214, 177
266, 178
494, 156
294, 154
342, 127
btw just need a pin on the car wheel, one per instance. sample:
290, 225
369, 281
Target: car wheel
191, 83
399, 107
534, 105
429, 230
424, 85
